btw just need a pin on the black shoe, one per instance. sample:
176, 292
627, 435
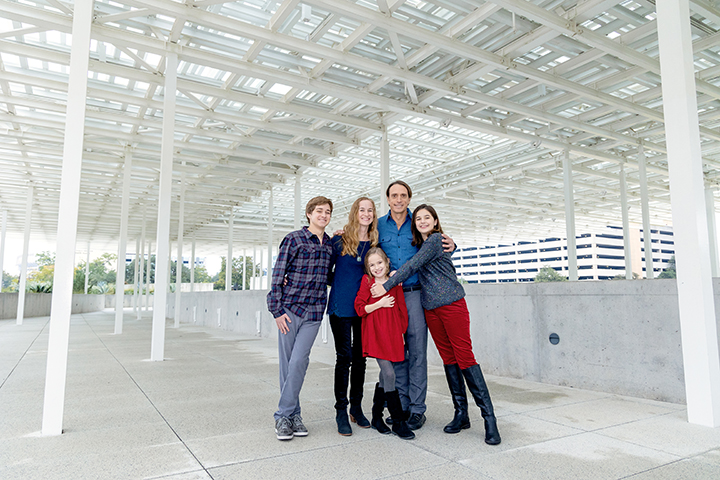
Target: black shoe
478, 388
377, 411
356, 416
401, 428
416, 421
461, 420
341, 417
405, 415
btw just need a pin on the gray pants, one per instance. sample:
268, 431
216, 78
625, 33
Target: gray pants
411, 374
294, 352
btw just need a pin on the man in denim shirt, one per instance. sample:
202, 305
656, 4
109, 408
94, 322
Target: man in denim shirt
297, 298
396, 240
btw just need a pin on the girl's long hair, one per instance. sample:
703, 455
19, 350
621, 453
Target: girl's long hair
351, 235
383, 255
417, 236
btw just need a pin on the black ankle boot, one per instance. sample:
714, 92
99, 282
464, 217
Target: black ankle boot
377, 411
341, 417
460, 420
478, 388
399, 428
356, 415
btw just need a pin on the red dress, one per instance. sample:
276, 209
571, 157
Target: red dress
383, 329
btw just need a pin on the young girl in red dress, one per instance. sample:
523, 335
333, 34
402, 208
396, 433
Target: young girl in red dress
384, 322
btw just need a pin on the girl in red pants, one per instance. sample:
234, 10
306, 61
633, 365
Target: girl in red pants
447, 319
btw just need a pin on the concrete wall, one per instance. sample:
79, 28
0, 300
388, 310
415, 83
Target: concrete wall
38, 304
619, 336
127, 301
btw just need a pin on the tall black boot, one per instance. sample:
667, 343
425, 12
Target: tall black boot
478, 388
461, 420
377, 411
401, 428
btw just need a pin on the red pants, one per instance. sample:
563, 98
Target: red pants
450, 329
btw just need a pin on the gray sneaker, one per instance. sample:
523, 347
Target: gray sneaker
284, 428
298, 427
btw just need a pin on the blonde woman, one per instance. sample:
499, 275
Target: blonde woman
347, 268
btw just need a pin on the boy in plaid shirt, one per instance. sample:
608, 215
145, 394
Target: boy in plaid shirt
297, 299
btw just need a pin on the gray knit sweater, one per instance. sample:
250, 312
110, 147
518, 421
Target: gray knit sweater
439, 282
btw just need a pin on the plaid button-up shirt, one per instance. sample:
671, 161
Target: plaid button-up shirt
304, 261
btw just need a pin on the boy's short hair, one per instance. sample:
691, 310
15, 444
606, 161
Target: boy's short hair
314, 202
399, 182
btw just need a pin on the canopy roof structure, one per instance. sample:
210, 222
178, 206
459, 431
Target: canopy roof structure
480, 102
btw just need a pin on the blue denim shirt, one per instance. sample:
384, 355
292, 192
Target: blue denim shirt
397, 244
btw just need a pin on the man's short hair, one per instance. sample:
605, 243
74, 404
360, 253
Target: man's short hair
399, 182
314, 202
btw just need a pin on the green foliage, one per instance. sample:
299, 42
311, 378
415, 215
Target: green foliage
9, 282
39, 287
237, 273
548, 274
102, 289
669, 272
101, 273
45, 258
621, 276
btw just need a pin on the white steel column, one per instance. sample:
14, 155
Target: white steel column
570, 218
299, 210
179, 265
384, 170
2, 245
625, 223
23, 263
87, 267
270, 236
647, 229
136, 277
242, 270
148, 269
690, 230
122, 244
712, 234
228, 260
157, 351
254, 274
68, 206
192, 264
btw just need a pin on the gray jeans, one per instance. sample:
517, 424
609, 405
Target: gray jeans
411, 374
294, 355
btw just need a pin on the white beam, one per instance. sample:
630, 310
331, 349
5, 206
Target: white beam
24, 262
229, 259
625, 224
2, 245
122, 244
271, 212
570, 218
712, 233
59, 335
690, 230
644, 202
384, 171
179, 263
157, 351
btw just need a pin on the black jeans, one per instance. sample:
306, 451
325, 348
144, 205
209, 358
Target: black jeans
349, 363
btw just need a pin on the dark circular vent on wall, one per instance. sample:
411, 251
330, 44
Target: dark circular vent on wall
554, 338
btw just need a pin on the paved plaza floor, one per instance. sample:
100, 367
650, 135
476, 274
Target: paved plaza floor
206, 412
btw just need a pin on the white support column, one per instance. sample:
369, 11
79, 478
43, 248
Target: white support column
136, 277
299, 208
68, 206
384, 171
270, 236
254, 273
647, 229
712, 233
167, 277
87, 267
625, 223
122, 244
148, 269
228, 260
2, 245
157, 351
179, 265
570, 218
24, 262
690, 230
262, 263
242, 270
192, 264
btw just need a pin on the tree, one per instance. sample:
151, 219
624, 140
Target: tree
669, 272
237, 273
548, 274
99, 273
9, 282
621, 276
45, 258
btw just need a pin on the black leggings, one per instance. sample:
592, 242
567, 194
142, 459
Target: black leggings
349, 362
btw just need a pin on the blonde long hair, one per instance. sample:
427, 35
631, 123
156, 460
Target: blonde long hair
351, 234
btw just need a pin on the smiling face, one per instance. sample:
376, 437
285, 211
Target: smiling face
398, 199
377, 266
320, 217
425, 223
366, 213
